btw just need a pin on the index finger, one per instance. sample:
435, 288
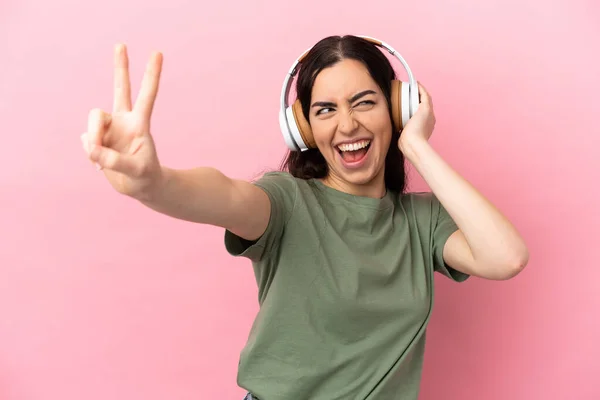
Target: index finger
147, 96
122, 85
424, 94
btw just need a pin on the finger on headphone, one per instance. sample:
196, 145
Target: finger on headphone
425, 91
423, 94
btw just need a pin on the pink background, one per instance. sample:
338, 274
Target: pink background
101, 298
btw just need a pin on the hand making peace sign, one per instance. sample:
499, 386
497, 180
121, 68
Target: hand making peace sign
120, 142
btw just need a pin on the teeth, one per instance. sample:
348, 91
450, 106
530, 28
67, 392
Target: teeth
354, 146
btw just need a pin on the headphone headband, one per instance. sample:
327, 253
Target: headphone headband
291, 132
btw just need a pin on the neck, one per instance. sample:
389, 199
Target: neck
374, 188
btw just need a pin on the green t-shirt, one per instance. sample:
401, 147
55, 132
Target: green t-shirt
345, 287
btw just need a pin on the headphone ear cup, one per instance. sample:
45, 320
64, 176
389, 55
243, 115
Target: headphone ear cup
396, 104
406, 103
286, 130
415, 99
401, 107
302, 125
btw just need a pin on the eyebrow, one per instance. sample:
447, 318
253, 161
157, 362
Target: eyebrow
352, 99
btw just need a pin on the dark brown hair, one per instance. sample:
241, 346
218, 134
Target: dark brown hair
327, 52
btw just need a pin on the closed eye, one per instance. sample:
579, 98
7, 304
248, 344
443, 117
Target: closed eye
365, 102
362, 103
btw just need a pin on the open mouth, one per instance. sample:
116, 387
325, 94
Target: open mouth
354, 152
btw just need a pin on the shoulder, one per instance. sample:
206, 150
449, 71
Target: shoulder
281, 187
277, 178
425, 208
419, 201
278, 183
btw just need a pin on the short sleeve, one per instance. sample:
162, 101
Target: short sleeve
443, 227
281, 188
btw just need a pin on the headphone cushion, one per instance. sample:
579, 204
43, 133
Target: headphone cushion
400, 103
396, 104
303, 125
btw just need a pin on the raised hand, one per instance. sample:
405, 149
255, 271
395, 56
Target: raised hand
120, 142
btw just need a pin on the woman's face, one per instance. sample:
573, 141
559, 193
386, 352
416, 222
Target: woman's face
352, 128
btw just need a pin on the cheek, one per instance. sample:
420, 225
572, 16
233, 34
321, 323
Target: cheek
387, 131
323, 132
380, 124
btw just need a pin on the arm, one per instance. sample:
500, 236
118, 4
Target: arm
121, 145
207, 196
486, 245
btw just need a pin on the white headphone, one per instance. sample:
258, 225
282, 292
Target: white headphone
296, 129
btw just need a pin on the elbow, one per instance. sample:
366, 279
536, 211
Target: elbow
515, 265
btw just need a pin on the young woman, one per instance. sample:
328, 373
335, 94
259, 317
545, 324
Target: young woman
343, 256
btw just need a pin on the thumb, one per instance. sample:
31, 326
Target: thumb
113, 160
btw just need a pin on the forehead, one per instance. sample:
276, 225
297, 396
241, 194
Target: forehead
342, 80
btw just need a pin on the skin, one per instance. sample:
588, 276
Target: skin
348, 105
120, 143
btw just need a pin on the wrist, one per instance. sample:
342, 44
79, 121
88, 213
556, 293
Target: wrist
156, 186
413, 147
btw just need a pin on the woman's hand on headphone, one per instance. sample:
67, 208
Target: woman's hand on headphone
120, 143
420, 126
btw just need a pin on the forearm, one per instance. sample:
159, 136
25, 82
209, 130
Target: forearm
201, 195
492, 239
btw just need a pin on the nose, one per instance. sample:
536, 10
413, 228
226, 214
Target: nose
347, 123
